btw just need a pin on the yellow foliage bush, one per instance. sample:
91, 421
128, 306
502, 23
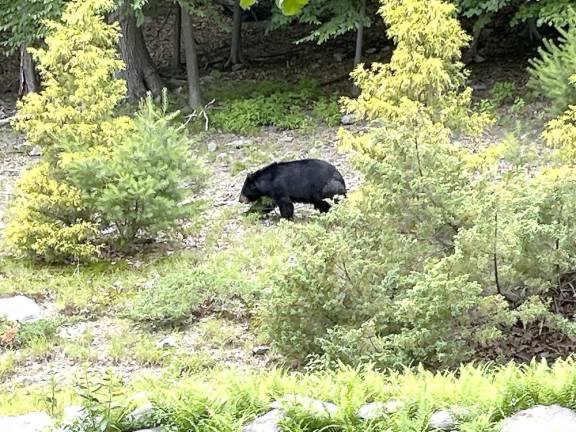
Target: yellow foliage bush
49, 219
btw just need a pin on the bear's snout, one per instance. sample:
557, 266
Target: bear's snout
243, 199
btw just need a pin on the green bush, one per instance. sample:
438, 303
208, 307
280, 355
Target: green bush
277, 105
417, 266
550, 73
502, 93
23, 335
172, 299
139, 187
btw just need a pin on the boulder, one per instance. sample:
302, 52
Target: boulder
541, 418
348, 119
375, 410
266, 423
20, 308
442, 420
31, 422
313, 407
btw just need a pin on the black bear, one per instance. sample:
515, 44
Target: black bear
308, 181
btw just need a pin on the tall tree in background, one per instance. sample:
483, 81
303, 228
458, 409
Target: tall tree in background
141, 74
236, 42
191, 56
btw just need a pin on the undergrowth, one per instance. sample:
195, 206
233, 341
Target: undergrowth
246, 107
225, 400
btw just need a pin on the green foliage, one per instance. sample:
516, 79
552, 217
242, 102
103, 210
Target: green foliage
22, 22
364, 271
274, 104
102, 411
417, 265
560, 133
172, 299
328, 110
546, 12
240, 272
330, 18
503, 93
102, 172
550, 73
225, 400
138, 187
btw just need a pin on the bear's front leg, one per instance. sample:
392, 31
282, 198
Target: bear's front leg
322, 206
286, 207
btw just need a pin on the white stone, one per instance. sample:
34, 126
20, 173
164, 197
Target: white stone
20, 308
167, 342
35, 152
212, 146
71, 414
348, 119
72, 332
379, 409
442, 420
314, 407
266, 423
541, 418
142, 416
32, 422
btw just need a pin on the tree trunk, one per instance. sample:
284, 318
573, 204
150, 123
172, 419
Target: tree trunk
359, 43
29, 81
236, 44
194, 98
176, 58
140, 74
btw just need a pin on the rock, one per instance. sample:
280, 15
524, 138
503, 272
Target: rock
348, 119
479, 86
371, 51
71, 414
72, 332
260, 350
20, 308
379, 409
541, 418
212, 146
239, 143
338, 56
32, 422
266, 423
287, 139
35, 152
442, 420
167, 342
314, 407
142, 416
237, 67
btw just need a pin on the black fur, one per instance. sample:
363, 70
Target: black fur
309, 181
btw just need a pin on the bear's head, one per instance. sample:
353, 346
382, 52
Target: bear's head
250, 191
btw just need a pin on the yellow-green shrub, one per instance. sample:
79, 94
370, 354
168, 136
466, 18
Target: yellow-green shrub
49, 218
419, 265
102, 172
79, 92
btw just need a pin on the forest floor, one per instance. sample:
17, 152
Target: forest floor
93, 335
